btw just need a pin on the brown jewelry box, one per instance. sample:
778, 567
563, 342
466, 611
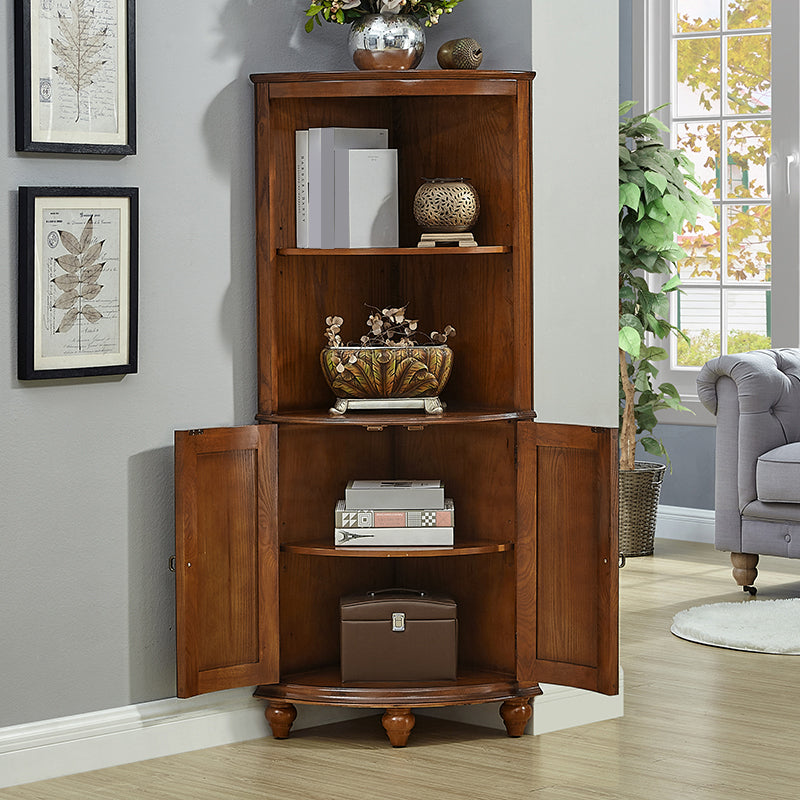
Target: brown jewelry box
398, 635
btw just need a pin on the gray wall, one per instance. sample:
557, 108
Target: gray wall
691, 452
87, 602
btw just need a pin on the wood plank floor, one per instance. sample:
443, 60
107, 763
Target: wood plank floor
699, 722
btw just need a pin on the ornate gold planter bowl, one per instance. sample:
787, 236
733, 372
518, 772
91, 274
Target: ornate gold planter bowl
376, 378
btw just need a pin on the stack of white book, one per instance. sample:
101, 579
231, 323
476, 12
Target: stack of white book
346, 188
394, 514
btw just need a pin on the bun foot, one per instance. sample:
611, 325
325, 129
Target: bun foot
744, 570
515, 714
398, 723
280, 717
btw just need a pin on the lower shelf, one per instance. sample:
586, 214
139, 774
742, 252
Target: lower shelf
326, 548
325, 687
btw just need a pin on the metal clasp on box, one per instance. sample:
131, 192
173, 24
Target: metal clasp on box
398, 621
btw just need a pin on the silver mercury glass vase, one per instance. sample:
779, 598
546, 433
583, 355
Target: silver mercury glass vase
392, 41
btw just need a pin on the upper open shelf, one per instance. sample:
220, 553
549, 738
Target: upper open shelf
393, 251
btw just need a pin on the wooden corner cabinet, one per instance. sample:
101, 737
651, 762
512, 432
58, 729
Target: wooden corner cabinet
534, 566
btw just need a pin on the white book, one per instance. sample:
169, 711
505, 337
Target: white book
330, 140
366, 206
315, 187
301, 187
394, 494
393, 537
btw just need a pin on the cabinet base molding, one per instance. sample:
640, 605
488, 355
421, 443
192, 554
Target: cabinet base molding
324, 688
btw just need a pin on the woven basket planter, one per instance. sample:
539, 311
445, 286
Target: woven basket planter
639, 490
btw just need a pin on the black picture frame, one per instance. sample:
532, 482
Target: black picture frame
50, 89
78, 295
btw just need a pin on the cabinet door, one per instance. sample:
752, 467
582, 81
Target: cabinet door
226, 558
567, 556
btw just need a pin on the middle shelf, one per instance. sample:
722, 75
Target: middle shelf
394, 419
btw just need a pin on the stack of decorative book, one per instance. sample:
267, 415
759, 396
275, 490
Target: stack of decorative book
394, 514
346, 188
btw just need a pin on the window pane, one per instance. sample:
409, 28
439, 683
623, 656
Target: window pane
749, 13
749, 244
748, 321
748, 146
698, 318
700, 141
696, 15
698, 76
749, 74
701, 243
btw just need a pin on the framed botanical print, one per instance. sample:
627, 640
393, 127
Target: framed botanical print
78, 282
75, 76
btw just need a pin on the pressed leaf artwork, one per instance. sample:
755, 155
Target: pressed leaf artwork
78, 284
79, 47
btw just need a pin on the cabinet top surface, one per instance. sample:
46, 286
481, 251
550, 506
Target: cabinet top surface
393, 75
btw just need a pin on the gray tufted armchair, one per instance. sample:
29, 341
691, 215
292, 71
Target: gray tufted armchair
756, 398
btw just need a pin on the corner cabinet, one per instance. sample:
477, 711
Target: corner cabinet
534, 565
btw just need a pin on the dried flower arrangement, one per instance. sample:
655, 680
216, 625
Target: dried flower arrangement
345, 11
388, 327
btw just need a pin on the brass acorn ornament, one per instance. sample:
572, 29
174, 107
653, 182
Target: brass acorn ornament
463, 53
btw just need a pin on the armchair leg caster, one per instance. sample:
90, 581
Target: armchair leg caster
751, 589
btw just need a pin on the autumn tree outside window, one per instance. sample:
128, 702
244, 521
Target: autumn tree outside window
724, 67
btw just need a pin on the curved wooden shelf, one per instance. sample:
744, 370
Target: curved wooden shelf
325, 548
325, 687
393, 251
378, 421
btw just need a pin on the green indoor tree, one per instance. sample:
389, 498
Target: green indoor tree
656, 197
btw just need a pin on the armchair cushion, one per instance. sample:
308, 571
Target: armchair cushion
778, 475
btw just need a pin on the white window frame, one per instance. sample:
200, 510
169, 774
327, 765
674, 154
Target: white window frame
651, 23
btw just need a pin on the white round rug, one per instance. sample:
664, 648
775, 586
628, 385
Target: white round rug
760, 626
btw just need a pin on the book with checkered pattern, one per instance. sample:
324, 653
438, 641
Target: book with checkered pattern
395, 518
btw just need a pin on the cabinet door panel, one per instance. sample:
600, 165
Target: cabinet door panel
567, 556
226, 558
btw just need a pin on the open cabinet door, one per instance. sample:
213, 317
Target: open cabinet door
567, 559
226, 559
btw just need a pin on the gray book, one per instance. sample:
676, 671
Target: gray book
322, 148
394, 494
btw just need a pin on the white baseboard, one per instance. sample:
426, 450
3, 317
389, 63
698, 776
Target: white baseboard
52, 748
685, 524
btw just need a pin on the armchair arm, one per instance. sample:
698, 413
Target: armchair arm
756, 398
